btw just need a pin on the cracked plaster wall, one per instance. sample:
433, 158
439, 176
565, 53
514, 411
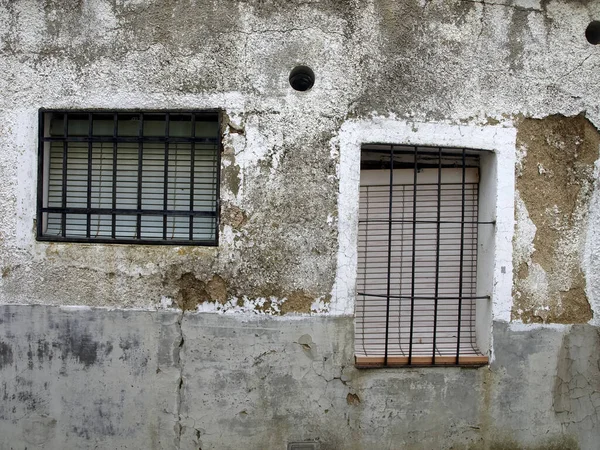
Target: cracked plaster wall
216, 381
455, 62
93, 378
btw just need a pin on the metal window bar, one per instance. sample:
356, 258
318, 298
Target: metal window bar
389, 256
90, 195
423, 291
462, 247
437, 254
89, 178
63, 225
113, 233
192, 173
166, 181
140, 171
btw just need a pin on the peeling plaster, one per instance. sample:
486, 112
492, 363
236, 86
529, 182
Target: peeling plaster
555, 185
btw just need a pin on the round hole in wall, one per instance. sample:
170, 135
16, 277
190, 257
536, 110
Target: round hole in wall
302, 78
592, 32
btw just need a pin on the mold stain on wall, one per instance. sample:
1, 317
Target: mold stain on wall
554, 185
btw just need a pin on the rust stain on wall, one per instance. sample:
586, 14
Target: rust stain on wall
554, 186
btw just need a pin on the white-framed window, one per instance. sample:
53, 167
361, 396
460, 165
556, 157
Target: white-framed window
416, 293
148, 177
497, 158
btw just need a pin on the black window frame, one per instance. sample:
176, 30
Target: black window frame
215, 115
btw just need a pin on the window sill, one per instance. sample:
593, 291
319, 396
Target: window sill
400, 361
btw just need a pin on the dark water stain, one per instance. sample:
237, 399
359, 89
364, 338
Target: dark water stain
6, 355
44, 351
78, 343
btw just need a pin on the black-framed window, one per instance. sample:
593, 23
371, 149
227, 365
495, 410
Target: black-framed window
417, 257
146, 177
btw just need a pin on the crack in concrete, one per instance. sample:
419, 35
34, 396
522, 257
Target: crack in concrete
574, 68
178, 425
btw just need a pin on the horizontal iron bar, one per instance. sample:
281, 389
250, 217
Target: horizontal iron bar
208, 243
147, 212
448, 183
417, 366
134, 139
424, 221
423, 150
483, 297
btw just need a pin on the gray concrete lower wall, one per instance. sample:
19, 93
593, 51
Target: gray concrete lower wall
94, 378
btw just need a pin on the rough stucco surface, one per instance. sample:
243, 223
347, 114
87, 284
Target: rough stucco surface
439, 61
160, 380
148, 378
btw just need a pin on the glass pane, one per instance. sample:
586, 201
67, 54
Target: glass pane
180, 125
56, 124
78, 124
178, 227
103, 124
178, 191
154, 125
128, 125
207, 129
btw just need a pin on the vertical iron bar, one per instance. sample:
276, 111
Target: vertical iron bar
401, 274
192, 175
114, 176
462, 244
138, 226
218, 186
364, 289
474, 242
414, 243
63, 223
89, 177
40, 180
389, 262
437, 252
166, 176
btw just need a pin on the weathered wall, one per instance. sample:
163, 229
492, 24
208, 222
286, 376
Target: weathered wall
555, 182
429, 70
436, 61
82, 378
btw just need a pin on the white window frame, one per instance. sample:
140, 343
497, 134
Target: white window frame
494, 268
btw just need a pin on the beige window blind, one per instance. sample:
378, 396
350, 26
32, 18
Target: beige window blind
416, 280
